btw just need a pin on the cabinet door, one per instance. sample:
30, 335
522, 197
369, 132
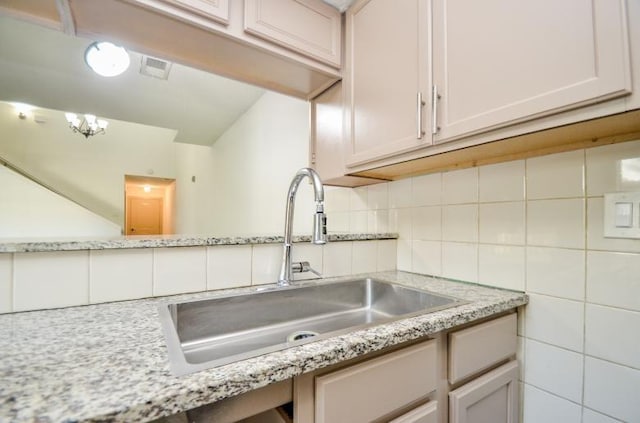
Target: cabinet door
386, 70
327, 139
309, 27
492, 398
217, 10
499, 62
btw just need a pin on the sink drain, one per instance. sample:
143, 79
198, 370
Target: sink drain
301, 334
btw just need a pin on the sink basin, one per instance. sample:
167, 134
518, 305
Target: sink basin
202, 334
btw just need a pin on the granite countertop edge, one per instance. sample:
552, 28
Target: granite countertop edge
165, 241
136, 384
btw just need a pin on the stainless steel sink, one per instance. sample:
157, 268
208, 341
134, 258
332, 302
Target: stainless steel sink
207, 333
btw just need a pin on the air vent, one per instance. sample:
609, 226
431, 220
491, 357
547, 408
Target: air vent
154, 67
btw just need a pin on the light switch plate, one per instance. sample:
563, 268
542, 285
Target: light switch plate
617, 222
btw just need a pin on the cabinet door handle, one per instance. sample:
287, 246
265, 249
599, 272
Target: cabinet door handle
419, 105
434, 110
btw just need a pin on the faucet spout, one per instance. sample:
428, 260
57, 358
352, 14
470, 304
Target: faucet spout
319, 235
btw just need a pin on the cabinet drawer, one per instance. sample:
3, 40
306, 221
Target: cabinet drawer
427, 413
479, 347
370, 390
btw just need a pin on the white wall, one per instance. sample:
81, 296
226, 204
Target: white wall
240, 183
92, 170
254, 162
28, 209
533, 225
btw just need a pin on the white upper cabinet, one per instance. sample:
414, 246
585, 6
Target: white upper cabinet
216, 10
309, 27
386, 69
499, 62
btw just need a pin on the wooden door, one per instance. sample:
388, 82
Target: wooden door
499, 62
386, 70
491, 398
144, 216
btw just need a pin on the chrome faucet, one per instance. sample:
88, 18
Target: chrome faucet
319, 235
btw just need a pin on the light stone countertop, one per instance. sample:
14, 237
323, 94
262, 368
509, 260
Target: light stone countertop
109, 362
160, 241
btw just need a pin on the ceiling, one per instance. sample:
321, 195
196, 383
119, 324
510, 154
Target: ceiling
46, 68
341, 5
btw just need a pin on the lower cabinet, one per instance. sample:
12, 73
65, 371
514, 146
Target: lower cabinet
472, 367
398, 385
491, 398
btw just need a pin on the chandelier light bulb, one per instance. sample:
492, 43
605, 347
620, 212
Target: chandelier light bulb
88, 126
107, 59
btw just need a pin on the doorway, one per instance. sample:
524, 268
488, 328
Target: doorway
149, 205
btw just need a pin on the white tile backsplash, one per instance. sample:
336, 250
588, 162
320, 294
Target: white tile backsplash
460, 261
364, 255
49, 280
502, 182
400, 193
117, 275
613, 279
460, 223
502, 223
556, 271
265, 263
358, 221
336, 260
612, 389
178, 270
427, 190
556, 176
338, 222
556, 223
228, 266
426, 257
554, 370
6, 279
377, 221
501, 266
387, 255
543, 407
358, 199
613, 168
336, 199
460, 186
426, 223
613, 334
378, 197
555, 321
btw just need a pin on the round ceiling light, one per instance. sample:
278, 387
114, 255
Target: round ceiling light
107, 59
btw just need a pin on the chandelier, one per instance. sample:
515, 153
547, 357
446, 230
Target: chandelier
89, 125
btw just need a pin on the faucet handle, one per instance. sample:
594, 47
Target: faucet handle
304, 266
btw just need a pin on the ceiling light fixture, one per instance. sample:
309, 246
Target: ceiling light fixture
88, 126
22, 109
106, 59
